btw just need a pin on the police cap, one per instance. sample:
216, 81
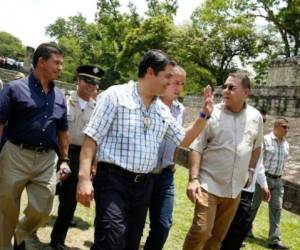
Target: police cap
89, 73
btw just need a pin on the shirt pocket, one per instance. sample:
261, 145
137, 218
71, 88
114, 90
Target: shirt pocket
28, 105
221, 131
130, 119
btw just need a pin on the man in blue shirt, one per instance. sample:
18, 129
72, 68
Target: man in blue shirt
162, 196
35, 113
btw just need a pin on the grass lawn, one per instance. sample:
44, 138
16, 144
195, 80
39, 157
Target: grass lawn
183, 212
81, 237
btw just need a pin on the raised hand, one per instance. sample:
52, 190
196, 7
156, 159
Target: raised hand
208, 98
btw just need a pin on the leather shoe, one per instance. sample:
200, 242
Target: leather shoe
21, 246
278, 245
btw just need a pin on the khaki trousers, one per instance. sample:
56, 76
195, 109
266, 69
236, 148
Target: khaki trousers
19, 169
212, 218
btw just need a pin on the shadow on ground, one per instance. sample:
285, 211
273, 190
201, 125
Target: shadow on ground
263, 242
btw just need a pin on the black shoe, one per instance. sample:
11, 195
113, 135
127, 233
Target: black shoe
58, 246
278, 245
21, 246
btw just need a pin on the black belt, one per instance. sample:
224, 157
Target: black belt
157, 171
38, 149
74, 147
134, 177
273, 176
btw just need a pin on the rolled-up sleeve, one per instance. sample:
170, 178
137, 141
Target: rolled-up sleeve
201, 141
63, 121
175, 132
102, 116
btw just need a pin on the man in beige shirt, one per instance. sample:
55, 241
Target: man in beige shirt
222, 162
80, 106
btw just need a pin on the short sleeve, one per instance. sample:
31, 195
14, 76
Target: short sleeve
63, 121
5, 103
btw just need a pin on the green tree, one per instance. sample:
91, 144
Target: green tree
284, 15
10, 46
162, 8
220, 35
154, 33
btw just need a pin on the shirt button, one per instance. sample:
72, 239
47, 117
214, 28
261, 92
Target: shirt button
43, 130
41, 143
47, 103
45, 116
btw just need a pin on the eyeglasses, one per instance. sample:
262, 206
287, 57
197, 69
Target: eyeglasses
230, 87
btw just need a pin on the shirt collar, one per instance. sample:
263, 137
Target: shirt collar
74, 98
134, 90
36, 82
273, 136
245, 106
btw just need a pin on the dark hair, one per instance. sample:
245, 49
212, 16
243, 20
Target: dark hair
44, 51
155, 59
243, 77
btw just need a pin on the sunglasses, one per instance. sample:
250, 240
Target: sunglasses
285, 126
89, 80
230, 87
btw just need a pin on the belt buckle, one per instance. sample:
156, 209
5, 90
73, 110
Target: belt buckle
138, 178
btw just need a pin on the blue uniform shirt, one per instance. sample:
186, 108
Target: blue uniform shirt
34, 117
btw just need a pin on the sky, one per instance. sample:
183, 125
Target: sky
27, 19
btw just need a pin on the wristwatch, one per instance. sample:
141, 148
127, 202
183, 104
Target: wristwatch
192, 178
67, 160
204, 116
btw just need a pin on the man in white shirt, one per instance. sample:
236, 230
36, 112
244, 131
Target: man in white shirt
221, 161
276, 151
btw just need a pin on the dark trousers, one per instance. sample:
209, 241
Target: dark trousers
160, 210
240, 225
67, 200
122, 200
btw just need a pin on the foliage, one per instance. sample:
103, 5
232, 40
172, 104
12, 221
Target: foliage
284, 15
165, 8
10, 46
223, 36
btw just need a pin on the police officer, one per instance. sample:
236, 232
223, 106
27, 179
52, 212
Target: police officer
80, 106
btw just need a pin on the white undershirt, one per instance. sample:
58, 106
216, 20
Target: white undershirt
82, 103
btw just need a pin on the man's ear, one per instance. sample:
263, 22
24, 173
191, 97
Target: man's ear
41, 61
247, 92
150, 71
